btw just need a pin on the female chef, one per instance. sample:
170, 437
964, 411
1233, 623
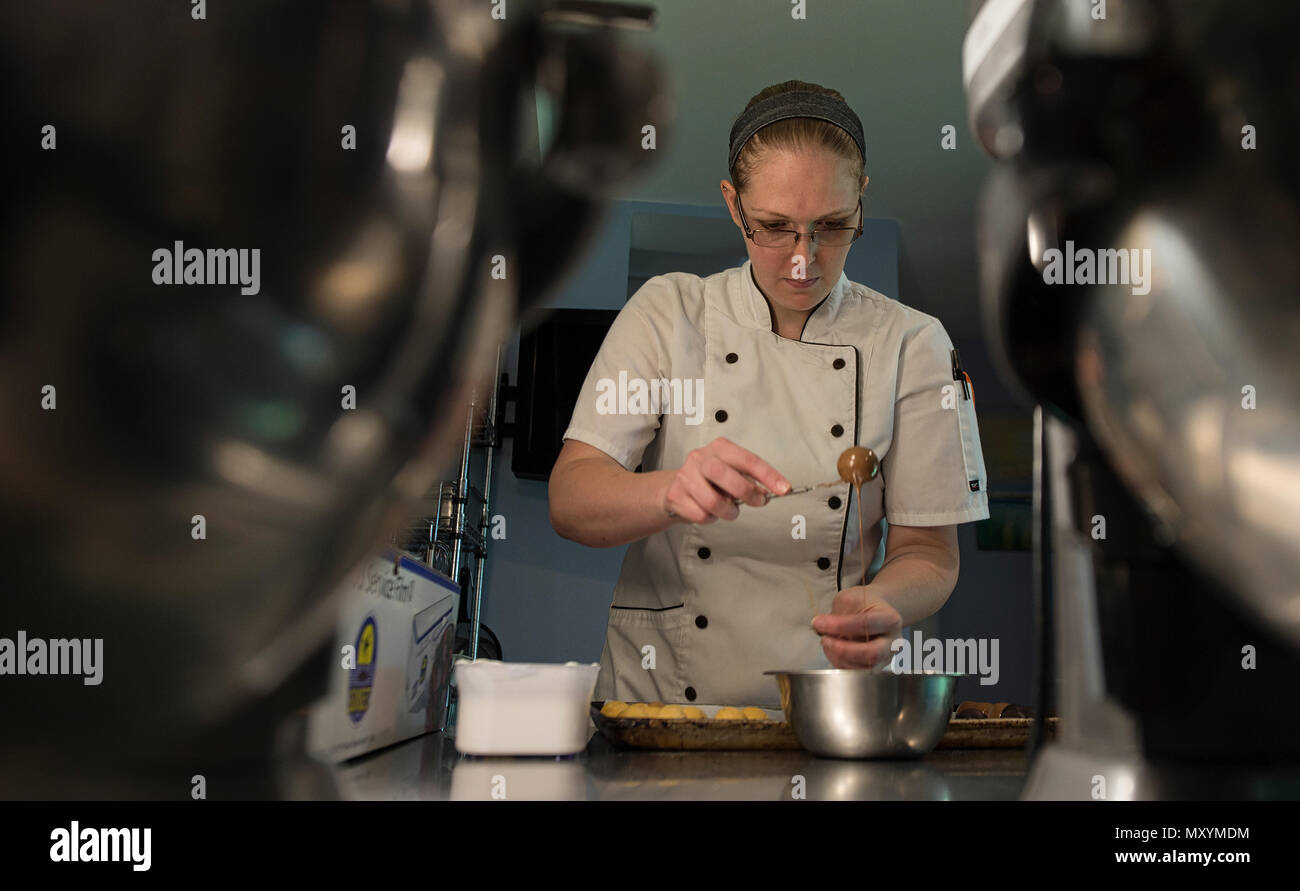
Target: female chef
797, 363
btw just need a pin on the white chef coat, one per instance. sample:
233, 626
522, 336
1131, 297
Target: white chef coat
711, 607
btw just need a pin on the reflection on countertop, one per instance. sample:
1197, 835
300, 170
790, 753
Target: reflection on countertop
430, 769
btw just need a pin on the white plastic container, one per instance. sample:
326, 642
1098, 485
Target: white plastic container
523, 708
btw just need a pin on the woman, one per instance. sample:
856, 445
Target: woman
797, 363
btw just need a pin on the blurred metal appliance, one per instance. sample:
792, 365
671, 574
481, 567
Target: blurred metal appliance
177, 402
1168, 423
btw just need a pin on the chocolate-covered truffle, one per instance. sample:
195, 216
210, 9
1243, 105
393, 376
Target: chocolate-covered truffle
858, 465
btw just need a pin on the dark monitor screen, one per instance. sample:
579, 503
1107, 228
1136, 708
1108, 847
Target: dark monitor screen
554, 359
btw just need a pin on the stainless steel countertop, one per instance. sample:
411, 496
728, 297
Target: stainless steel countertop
429, 768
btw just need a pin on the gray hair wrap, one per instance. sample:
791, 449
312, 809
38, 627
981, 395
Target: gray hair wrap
794, 104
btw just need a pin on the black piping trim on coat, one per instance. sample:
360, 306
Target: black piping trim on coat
652, 609
771, 313
807, 317
844, 528
857, 396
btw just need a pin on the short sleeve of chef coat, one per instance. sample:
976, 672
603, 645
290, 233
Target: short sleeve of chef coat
934, 469
635, 346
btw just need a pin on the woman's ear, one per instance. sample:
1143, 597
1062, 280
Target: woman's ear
728, 191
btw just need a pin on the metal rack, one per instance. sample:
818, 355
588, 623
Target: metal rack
452, 537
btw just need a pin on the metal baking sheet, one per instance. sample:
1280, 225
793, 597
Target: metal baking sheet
991, 733
695, 733
739, 735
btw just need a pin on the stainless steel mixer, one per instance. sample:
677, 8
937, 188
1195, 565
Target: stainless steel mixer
1168, 414
201, 481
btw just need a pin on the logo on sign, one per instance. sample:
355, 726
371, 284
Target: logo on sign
361, 679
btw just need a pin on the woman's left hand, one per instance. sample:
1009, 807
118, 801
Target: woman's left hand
859, 630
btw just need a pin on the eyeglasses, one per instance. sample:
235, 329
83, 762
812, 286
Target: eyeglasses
827, 236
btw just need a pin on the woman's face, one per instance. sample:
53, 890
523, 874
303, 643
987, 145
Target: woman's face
797, 190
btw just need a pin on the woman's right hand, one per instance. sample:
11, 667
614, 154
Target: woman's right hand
703, 489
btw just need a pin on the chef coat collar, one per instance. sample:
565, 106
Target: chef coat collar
754, 310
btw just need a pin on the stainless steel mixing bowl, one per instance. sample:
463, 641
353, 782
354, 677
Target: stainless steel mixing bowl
860, 713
